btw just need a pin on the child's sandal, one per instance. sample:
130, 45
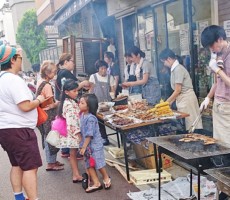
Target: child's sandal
108, 184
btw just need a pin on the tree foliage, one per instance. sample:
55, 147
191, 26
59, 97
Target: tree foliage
30, 36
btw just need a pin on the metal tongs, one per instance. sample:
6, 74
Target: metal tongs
194, 124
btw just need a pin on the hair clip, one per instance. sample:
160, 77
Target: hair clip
63, 80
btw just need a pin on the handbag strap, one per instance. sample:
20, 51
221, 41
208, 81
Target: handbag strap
40, 88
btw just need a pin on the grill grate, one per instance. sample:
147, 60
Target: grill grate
190, 150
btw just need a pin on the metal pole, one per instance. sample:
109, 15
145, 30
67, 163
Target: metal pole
192, 48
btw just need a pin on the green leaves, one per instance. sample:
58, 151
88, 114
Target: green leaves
30, 36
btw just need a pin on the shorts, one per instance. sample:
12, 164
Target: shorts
99, 158
22, 147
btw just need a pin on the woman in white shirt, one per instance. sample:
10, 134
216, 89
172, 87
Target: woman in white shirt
102, 84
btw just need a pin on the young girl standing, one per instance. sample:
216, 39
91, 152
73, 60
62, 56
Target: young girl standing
92, 142
69, 110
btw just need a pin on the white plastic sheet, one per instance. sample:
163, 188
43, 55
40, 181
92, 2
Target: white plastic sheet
178, 189
151, 194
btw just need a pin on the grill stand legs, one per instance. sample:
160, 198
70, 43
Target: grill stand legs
126, 156
190, 182
199, 170
158, 160
159, 171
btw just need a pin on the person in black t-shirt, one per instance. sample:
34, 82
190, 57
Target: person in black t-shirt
113, 70
66, 65
65, 68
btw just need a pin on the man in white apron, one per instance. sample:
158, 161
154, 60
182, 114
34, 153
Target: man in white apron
214, 37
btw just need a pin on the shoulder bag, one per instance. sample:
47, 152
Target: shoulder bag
53, 138
42, 115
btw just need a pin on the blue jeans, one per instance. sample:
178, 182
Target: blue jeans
49, 158
65, 150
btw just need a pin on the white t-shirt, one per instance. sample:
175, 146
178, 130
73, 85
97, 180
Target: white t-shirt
102, 79
13, 90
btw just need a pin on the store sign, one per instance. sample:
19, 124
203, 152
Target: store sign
184, 39
227, 28
51, 30
227, 31
71, 10
227, 24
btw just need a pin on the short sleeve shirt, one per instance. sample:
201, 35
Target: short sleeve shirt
115, 70
47, 90
222, 92
13, 90
181, 76
148, 68
62, 73
102, 79
90, 128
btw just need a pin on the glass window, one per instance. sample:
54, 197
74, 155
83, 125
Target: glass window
202, 18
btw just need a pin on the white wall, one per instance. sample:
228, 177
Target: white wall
8, 27
19, 7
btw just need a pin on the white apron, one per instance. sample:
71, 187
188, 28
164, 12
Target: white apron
187, 102
221, 121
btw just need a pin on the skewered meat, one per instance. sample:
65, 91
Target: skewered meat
192, 137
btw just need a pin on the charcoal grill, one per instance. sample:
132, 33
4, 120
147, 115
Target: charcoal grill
187, 152
222, 175
190, 150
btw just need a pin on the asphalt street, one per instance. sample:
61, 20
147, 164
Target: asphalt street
58, 185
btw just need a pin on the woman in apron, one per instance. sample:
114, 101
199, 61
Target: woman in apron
146, 77
102, 85
181, 83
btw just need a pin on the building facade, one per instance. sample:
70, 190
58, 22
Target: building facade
19, 7
87, 22
7, 33
150, 24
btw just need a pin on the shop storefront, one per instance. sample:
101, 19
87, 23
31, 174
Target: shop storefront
176, 25
86, 21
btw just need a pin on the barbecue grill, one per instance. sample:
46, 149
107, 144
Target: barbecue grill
222, 175
190, 152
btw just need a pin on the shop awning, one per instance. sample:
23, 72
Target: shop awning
68, 10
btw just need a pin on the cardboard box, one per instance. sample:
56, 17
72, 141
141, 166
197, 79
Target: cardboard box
145, 149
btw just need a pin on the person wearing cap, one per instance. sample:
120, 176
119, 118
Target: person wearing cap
18, 119
214, 38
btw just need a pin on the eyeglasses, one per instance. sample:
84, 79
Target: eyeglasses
71, 60
17, 56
